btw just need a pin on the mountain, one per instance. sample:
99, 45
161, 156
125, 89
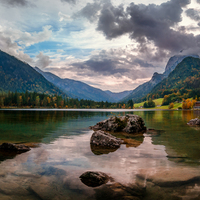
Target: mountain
185, 76
174, 61
16, 75
146, 88
77, 88
118, 95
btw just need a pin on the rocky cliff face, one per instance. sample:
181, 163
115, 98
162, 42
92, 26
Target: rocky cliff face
174, 61
156, 78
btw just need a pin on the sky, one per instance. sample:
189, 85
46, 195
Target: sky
111, 45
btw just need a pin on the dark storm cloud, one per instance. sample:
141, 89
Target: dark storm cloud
89, 11
103, 67
193, 14
113, 21
198, 1
146, 23
117, 63
16, 2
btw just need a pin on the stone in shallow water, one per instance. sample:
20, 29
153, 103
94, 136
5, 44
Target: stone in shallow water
101, 138
94, 179
194, 122
118, 191
170, 177
128, 124
12, 188
18, 148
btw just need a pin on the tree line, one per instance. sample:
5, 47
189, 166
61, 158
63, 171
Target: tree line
173, 95
37, 100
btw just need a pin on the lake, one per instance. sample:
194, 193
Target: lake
163, 163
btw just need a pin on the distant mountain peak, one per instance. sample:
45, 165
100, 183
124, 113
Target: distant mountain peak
174, 61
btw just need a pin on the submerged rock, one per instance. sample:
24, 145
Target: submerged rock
128, 124
194, 122
118, 191
173, 177
94, 179
18, 148
101, 138
12, 188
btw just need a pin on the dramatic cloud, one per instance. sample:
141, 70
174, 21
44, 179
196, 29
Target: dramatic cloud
116, 63
193, 14
113, 22
43, 60
104, 67
90, 11
114, 45
16, 2
146, 23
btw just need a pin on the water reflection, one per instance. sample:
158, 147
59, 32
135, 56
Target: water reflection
33, 126
52, 170
101, 150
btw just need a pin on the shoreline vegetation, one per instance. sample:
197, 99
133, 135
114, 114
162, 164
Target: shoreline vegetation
29, 100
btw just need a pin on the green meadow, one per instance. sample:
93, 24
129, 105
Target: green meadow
158, 103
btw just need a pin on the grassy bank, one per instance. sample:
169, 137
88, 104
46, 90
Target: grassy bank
158, 103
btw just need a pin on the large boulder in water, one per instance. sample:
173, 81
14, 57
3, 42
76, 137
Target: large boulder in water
103, 139
128, 124
94, 179
194, 122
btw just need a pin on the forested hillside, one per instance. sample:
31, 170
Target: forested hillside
183, 82
16, 75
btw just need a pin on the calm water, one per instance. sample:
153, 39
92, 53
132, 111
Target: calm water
61, 153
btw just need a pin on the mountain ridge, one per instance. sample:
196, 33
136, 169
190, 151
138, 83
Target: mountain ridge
146, 87
79, 89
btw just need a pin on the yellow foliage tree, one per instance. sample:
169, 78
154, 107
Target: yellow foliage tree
171, 105
188, 104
